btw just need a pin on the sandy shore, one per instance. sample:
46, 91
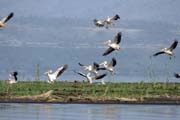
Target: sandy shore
48, 97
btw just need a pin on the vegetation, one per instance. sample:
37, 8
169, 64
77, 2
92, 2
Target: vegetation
96, 90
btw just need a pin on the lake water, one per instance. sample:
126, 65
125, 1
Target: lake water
14, 111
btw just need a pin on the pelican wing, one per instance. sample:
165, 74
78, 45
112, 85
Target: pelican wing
116, 17
5, 19
177, 75
60, 70
113, 62
158, 53
109, 50
96, 66
80, 73
117, 38
80, 64
99, 76
174, 45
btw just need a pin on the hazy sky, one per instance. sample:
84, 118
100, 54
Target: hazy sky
151, 10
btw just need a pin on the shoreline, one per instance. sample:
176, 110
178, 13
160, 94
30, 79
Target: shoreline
83, 93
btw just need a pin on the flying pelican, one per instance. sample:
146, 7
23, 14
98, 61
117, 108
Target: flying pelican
99, 23
90, 78
177, 75
91, 68
113, 45
53, 76
110, 20
13, 77
168, 51
110, 66
5, 19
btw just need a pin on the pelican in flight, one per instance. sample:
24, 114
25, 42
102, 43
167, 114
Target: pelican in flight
91, 68
113, 45
177, 75
13, 77
91, 78
99, 23
110, 66
53, 76
5, 19
110, 20
168, 51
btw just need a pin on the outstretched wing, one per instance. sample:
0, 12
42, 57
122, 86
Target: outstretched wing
158, 53
60, 70
113, 62
80, 73
5, 19
109, 50
96, 66
174, 45
99, 76
117, 38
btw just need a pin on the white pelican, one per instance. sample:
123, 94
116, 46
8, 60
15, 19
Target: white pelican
110, 66
91, 68
5, 19
110, 20
13, 77
91, 78
99, 23
177, 75
113, 45
168, 51
53, 76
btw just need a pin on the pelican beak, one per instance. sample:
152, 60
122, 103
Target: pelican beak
46, 72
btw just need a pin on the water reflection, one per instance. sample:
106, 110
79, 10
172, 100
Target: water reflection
12, 111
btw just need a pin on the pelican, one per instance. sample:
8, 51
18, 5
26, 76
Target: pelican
53, 76
113, 45
99, 23
177, 75
90, 78
110, 20
13, 77
110, 66
5, 19
91, 68
168, 51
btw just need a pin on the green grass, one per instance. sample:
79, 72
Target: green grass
96, 90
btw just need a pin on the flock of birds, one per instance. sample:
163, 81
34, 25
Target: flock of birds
93, 70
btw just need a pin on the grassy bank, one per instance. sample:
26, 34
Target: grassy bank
81, 90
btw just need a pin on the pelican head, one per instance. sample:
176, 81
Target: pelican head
48, 72
107, 42
103, 63
164, 49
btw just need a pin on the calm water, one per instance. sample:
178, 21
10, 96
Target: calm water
88, 112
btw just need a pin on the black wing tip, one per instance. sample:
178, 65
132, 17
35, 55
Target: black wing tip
65, 66
176, 75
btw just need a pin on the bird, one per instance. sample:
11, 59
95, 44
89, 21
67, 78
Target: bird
176, 75
168, 51
109, 67
110, 20
13, 77
91, 68
53, 76
99, 23
115, 45
91, 78
5, 19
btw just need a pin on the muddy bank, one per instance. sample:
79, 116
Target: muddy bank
48, 97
